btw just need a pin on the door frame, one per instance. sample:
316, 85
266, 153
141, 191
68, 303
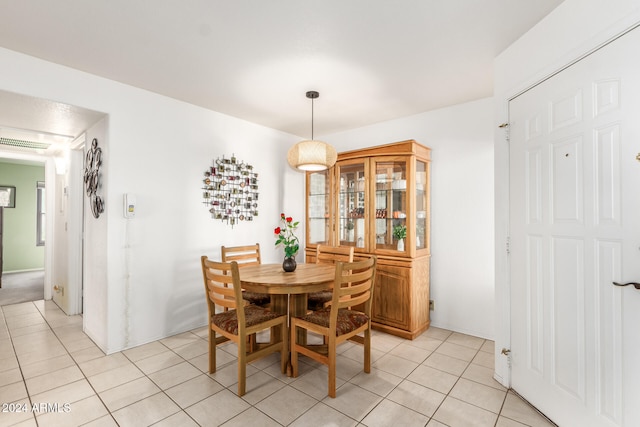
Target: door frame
49, 177
75, 230
502, 372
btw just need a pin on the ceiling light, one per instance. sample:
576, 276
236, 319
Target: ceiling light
312, 155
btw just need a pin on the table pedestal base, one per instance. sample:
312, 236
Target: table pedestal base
293, 305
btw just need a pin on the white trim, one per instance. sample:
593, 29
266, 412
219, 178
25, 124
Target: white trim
75, 228
502, 372
78, 143
40, 187
579, 58
27, 270
49, 239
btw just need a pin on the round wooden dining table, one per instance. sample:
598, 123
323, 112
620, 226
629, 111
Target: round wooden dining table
288, 291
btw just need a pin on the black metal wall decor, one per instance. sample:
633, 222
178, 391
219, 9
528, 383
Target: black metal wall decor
92, 163
230, 190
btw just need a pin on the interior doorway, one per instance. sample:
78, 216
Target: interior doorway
47, 137
22, 250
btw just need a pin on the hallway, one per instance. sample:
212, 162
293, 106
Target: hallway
22, 287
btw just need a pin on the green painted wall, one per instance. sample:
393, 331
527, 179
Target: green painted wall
19, 239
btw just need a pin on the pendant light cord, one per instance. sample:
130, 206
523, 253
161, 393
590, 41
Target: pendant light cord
312, 119
312, 94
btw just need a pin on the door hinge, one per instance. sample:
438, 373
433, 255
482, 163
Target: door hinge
508, 245
505, 126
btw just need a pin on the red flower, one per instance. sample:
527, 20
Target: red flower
285, 236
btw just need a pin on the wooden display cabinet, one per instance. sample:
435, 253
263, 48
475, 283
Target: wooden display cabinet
359, 202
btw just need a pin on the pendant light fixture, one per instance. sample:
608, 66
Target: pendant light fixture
312, 155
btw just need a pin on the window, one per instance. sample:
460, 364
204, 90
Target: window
42, 211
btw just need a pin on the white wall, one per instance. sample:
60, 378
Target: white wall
100, 321
462, 247
144, 280
573, 29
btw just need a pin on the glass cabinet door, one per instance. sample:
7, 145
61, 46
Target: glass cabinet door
391, 204
351, 205
318, 205
422, 238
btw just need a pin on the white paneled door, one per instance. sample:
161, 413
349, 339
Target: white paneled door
575, 229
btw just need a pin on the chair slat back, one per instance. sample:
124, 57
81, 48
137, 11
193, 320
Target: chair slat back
331, 254
222, 286
353, 286
243, 255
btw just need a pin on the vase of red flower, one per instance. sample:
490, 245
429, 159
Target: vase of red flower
286, 237
289, 264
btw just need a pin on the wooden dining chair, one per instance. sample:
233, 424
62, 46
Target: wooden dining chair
245, 256
328, 255
354, 284
222, 288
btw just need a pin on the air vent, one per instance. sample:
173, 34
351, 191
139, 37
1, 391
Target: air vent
18, 143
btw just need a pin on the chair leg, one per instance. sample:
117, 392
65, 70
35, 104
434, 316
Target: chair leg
242, 366
294, 352
284, 352
212, 351
252, 342
276, 334
332, 367
367, 351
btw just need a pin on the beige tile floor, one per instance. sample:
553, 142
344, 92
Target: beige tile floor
49, 367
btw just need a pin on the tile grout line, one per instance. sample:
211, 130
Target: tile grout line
533, 407
77, 365
459, 377
195, 338
97, 394
406, 378
253, 406
201, 373
186, 360
383, 398
163, 391
15, 354
456, 382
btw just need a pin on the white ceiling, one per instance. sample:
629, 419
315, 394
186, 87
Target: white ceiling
371, 60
